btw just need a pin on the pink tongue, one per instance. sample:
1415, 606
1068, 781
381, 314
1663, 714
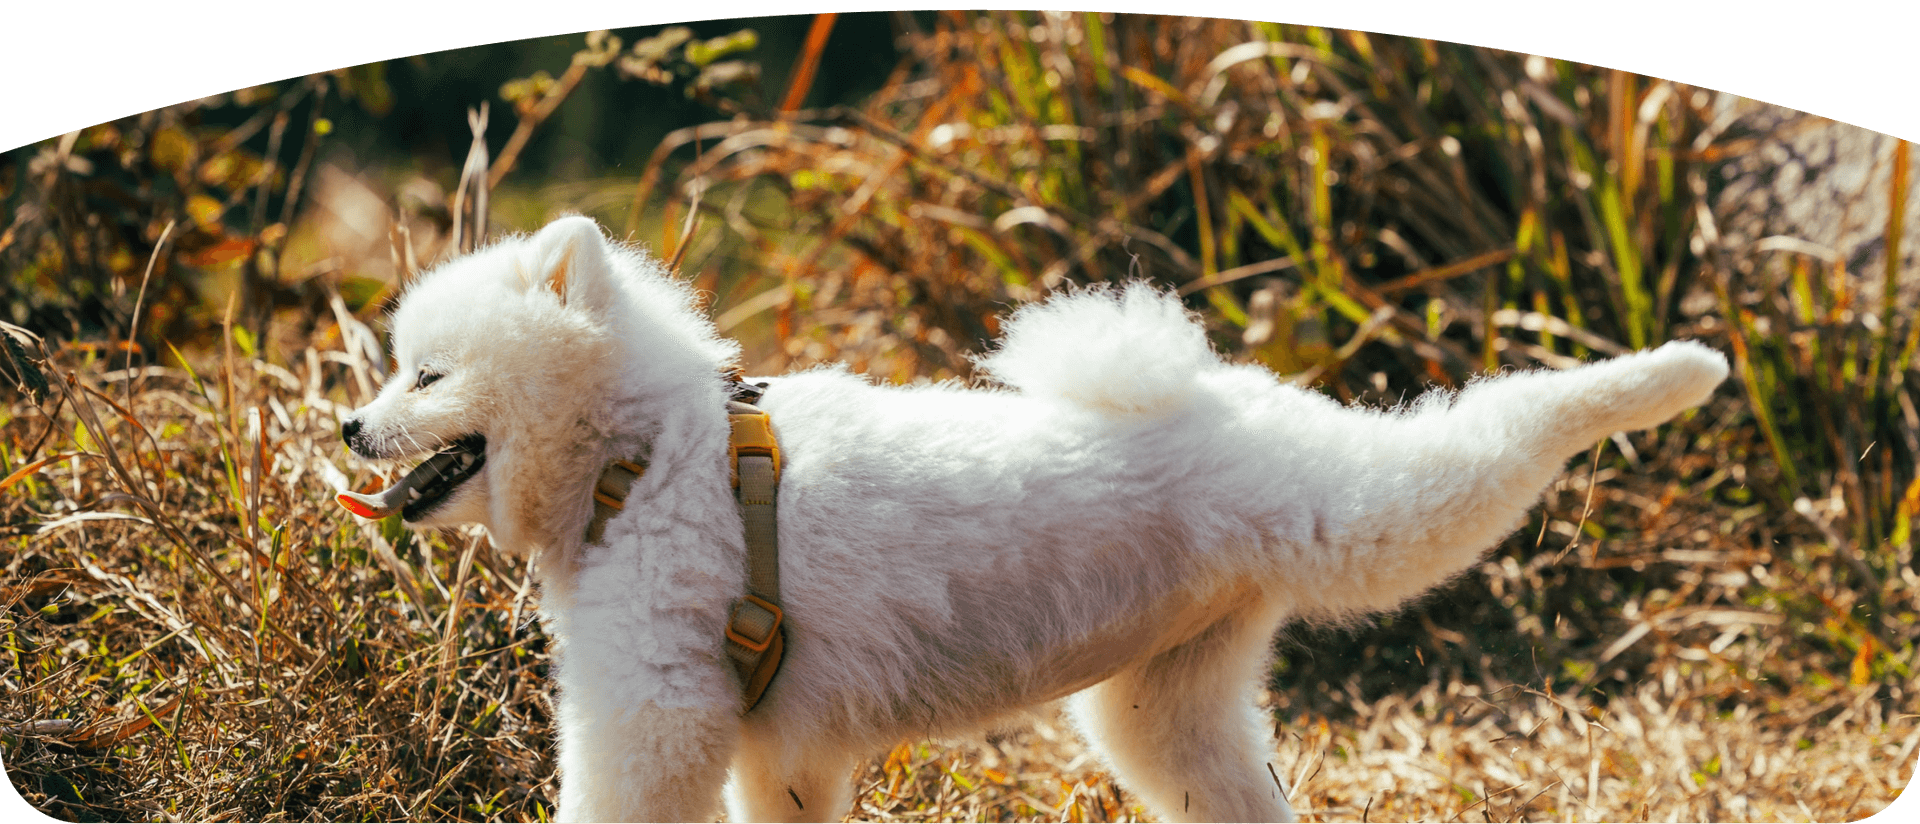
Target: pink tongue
373, 507
386, 502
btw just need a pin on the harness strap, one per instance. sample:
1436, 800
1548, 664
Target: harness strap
755, 639
610, 495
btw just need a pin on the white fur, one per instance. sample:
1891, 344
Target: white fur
1131, 519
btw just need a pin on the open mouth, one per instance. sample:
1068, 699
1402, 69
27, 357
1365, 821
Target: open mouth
426, 486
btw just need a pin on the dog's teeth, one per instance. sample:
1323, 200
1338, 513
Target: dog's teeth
413, 494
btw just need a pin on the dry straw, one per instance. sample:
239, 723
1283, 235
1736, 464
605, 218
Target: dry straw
1713, 621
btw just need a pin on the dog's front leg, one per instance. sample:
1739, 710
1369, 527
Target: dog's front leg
640, 741
773, 781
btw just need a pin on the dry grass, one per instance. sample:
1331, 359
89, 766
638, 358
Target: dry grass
1458, 753
277, 660
176, 662
1713, 621
197, 633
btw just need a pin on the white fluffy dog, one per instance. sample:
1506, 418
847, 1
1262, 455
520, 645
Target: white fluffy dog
1129, 518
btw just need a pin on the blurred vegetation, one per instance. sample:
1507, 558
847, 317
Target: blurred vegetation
234, 172
1372, 216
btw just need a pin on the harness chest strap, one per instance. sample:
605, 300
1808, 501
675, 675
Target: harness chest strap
755, 638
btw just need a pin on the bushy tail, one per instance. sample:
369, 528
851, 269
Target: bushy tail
1402, 502
1565, 412
1132, 350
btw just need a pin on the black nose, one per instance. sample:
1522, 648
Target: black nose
349, 428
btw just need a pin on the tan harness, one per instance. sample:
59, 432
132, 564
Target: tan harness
755, 638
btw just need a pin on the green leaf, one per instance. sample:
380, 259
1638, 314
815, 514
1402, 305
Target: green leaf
659, 47
245, 339
703, 52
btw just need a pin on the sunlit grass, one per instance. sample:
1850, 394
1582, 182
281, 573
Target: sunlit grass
1715, 620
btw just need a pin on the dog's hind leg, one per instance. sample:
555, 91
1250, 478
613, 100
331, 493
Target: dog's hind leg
815, 786
1182, 732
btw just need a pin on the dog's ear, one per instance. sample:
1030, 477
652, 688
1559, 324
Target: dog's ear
573, 262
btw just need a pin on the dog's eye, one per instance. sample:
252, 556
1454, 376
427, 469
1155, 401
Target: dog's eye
426, 379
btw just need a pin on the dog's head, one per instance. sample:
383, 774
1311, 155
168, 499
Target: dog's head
500, 360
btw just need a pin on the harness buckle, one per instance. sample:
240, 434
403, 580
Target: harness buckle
751, 436
773, 628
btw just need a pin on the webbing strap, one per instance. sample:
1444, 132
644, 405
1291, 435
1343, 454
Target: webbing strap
757, 511
610, 495
755, 637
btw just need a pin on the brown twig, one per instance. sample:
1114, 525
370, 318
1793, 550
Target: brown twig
532, 117
808, 62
